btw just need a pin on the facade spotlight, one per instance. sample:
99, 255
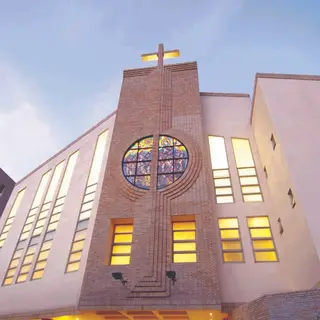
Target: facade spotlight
118, 276
171, 275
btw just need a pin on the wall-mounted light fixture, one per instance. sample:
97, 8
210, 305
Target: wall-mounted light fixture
118, 276
171, 275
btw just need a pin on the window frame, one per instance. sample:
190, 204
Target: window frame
121, 244
247, 176
262, 238
230, 240
184, 241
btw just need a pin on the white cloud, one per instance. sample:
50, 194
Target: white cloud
107, 101
26, 139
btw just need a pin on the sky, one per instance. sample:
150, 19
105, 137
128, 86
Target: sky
61, 61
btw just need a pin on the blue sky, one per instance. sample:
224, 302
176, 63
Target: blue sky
61, 61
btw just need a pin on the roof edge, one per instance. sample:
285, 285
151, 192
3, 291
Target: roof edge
69, 145
288, 76
225, 94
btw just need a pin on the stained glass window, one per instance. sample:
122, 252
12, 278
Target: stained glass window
172, 161
136, 163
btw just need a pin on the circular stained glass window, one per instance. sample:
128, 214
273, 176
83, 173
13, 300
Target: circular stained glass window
172, 162
136, 163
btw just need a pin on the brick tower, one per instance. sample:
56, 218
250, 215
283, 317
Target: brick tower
155, 102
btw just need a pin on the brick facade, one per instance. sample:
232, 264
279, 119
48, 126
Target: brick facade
300, 305
153, 101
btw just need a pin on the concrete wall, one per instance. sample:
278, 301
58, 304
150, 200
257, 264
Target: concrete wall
5, 195
229, 116
289, 109
56, 290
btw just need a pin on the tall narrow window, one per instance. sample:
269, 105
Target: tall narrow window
184, 241
220, 169
35, 206
41, 219
26, 264
73, 263
55, 215
250, 188
42, 260
262, 241
10, 218
230, 240
122, 241
12, 267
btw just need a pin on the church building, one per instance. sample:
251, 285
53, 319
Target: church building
180, 205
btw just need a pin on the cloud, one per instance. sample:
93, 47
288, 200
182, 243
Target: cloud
26, 138
106, 101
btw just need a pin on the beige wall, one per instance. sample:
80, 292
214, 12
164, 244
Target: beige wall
290, 110
241, 282
56, 290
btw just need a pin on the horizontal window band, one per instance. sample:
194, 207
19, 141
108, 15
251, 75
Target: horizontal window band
235, 228
232, 250
184, 230
250, 185
91, 185
122, 243
251, 193
261, 238
74, 261
246, 167
120, 255
89, 193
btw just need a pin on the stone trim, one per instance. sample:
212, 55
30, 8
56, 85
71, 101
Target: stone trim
224, 94
68, 146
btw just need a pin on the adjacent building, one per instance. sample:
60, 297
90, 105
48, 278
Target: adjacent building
6, 187
180, 205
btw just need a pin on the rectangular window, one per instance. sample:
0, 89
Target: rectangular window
184, 241
12, 267
249, 183
122, 241
26, 264
41, 260
73, 263
262, 241
10, 218
220, 169
232, 250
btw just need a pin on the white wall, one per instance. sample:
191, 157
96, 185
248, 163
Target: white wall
290, 110
56, 290
241, 282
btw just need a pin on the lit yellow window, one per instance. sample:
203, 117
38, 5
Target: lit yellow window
43, 255
40, 265
8, 281
184, 242
77, 245
28, 259
11, 272
40, 223
46, 245
250, 188
37, 231
122, 241
13, 211
53, 226
45, 206
80, 235
262, 241
14, 263
230, 240
30, 220
74, 266
37, 274
75, 256
220, 169
25, 269
22, 278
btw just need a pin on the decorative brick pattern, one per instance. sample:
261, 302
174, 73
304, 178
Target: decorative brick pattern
153, 101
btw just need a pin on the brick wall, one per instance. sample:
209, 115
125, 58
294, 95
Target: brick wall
155, 101
300, 305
